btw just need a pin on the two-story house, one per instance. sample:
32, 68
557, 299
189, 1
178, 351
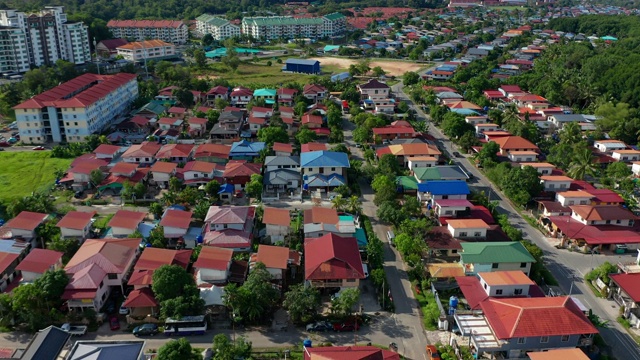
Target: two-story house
214, 153
608, 146
555, 183
213, 265
277, 222
228, 126
574, 197
229, 227
197, 126
603, 215
97, 266
286, 96
268, 95
76, 225
197, 173
394, 132
256, 124
315, 92
282, 173
495, 256
475, 229
406, 152
282, 149
422, 162
125, 222
543, 168
241, 96
312, 121
374, 90
431, 191
162, 172
217, 92
498, 284
11, 254
245, 150
107, 151
81, 172
177, 153
452, 207
482, 128
515, 143
626, 155
276, 259
238, 173
324, 170
333, 261
170, 123
39, 261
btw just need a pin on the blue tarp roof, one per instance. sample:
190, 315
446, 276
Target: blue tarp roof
226, 188
324, 158
444, 187
464, 111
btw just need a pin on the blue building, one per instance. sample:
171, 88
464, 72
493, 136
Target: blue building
302, 66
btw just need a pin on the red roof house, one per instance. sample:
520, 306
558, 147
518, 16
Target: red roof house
153, 258
176, 223
349, 353
125, 222
333, 261
24, 225
76, 224
37, 262
213, 265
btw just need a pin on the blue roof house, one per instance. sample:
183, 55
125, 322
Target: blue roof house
442, 189
302, 66
245, 150
323, 169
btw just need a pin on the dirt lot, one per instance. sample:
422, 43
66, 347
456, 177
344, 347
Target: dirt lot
393, 68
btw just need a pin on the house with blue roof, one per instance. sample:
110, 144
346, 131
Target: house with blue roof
442, 189
245, 150
323, 170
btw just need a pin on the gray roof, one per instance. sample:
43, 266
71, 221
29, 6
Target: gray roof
219, 130
569, 117
231, 116
476, 51
408, 141
282, 160
107, 350
451, 172
280, 176
302, 62
46, 344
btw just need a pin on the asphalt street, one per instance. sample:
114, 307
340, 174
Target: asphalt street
567, 267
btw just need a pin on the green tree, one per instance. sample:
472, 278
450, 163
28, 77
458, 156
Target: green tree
343, 305
212, 188
254, 186
231, 58
200, 210
184, 97
66, 246
305, 135
302, 303
339, 203
362, 135
378, 71
36, 202
488, 153
156, 209
389, 165
582, 165
157, 239
175, 184
200, 58
189, 195
220, 105
354, 205
207, 39
172, 281
618, 171
410, 78
411, 206
273, 134
390, 212
224, 349
385, 189
522, 184
254, 300
178, 350
96, 176
408, 245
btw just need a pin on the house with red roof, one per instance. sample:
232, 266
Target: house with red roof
177, 153
213, 265
510, 144
312, 121
516, 326
196, 173
123, 172
142, 153
286, 96
497, 284
197, 126
153, 258
494, 95
96, 268
125, 222
315, 92
241, 96
24, 225
624, 289
276, 259
106, 49
39, 261
238, 173
278, 223
162, 172
373, 90
11, 252
229, 227
176, 223
81, 172
392, 132
76, 225
282, 149
349, 353
215, 153
332, 261
217, 92
312, 146
107, 151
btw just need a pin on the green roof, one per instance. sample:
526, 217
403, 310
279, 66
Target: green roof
264, 92
281, 20
407, 182
154, 106
494, 252
334, 16
427, 173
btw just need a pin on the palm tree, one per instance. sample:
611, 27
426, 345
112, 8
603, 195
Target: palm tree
339, 203
582, 165
354, 204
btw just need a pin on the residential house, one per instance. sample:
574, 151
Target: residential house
624, 289
350, 352
627, 156
286, 112
558, 354
39, 261
494, 95
315, 92
96, 267
445, 172
509, 91
431, 191
286, 96
123, 172
229, 227
333, 261
312, 121
150, 260
76, 225
261, 112
276, 259
497, 284
514, 143
495, 256
405, 152
107, 152
603, 215
81, 172
517, 326
11, 253
197, 173
440, 75
313, 146
175, 223
282, 149
553, 208
228, 126
574, 197
522, 156
214, 153
24, 225
241, 96
394, 132
213, 265
452, 207
555, 183
245, 150
277, 222
125, 222
143, 154
238, 173
543, 168
467, 228
179, 112
106, 49
170, 123
46, 344
268, 95
256, 123
323, 170
162, 172
607, 146
177, 153
282, 173
481, 128
422, 162
217, 92
374, 90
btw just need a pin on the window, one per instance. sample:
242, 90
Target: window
499, 292
608, 222
351, 280
521, 340
448, 212
564, 338
454, 251
195, 175
494, 265
523, 265
544, 339
101, 284
618, 222
112, 276
477, 233
517, 292
463, 234
485, 286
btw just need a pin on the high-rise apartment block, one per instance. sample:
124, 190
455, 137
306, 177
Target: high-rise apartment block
218, 27
41, 39
289, 27
172, 31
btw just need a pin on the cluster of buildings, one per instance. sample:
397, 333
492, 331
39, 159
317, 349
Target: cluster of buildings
41, 38
273, 27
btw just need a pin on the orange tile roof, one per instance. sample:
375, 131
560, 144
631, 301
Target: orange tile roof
76, 220
514, 142
275, 216
144, 44
445, 270
110, 255
603, 212
26, 220
515, 277
559, 354
575, 193
164, 167
176, 218
537, 164
127, 219
467, 223
215, 258
274, 257
555, 178
320, 215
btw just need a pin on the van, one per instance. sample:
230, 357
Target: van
390, 237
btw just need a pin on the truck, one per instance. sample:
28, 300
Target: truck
74, 330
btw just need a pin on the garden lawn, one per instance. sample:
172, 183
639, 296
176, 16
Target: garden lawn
249, 74
22, 173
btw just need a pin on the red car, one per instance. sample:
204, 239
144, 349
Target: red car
38, 148
114, 323
346, 326
4, 144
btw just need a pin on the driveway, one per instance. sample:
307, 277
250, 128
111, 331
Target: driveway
567, 267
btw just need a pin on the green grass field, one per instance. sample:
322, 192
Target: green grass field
21, 173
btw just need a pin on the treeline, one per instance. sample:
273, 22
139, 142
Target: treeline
600, 25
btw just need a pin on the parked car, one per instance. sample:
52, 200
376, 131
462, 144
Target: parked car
145, 329
15, 133
123, 310
346, 326
12, 140
38, 148
432, 353
78, 194
114, 323
4, 144
319, 326
457, 154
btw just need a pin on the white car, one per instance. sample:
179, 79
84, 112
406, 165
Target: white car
123, 310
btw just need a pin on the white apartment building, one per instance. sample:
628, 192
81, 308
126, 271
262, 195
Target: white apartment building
288, 27
149, 50
41, 39
76, 109
173, 31
218, 27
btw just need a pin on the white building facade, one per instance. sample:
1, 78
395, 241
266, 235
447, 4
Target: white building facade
173, 31
146, 50
218, 27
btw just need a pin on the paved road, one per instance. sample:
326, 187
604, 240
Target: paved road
411, 337
567, 267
